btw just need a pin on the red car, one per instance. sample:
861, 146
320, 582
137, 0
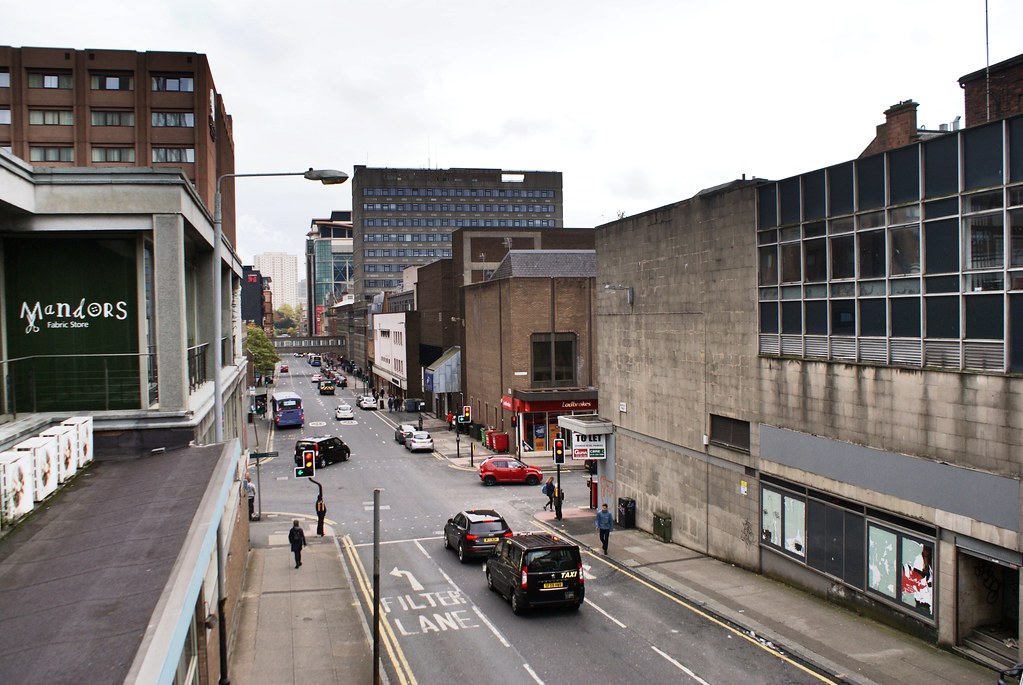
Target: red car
284, 368
509, 470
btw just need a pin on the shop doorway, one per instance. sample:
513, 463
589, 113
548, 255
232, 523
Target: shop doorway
988, 606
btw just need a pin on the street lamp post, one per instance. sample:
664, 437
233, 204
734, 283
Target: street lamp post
324, 176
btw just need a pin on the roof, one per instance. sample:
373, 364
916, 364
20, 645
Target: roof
547, 264
83, 576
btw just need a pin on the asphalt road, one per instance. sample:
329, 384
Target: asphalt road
442, 624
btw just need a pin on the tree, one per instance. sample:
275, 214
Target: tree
261, 350
287, 319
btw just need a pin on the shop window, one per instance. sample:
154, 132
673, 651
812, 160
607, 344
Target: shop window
941, 167
783, 522
904, 174
835, 540
729, 432
899, 567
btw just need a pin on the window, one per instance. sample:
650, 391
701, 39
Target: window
174, 119
5, 115
113, 154
109, 118
899, 567
904, 250
984, 241
173, 154
51, 154
5, 78
37, 79
100, 82
872, 254
184, 84
729, 432
783, 522
50, 117
553, 359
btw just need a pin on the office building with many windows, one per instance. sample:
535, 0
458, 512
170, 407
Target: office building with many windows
329, 269
282, 270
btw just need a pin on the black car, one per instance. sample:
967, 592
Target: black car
536, 569
328, 450
475, 532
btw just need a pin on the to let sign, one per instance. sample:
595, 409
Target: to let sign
588, 446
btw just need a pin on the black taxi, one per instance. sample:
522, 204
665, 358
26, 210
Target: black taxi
537, 569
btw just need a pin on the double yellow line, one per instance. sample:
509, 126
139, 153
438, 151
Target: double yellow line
398, 660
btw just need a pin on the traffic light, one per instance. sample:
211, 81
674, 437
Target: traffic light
466, 414
559, 451
308, 467
514, 420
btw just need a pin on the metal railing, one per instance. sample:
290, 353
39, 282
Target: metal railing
81, 382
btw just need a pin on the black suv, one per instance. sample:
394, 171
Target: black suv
475, 532
328, 450
536, 569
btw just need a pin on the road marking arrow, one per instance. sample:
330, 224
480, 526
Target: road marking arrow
416, 586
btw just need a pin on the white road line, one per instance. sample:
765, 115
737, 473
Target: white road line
531, 672
606, 615
680, 667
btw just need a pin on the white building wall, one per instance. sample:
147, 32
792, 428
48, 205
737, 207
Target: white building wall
283, 272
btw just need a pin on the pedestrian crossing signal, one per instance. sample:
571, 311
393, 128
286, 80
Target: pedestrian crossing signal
308, 467
559, 451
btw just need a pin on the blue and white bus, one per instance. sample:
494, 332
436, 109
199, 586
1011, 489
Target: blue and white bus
287, 409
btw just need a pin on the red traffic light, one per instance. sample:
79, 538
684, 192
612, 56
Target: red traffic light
559, 451
467, 414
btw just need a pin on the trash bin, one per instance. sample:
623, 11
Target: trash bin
483, 435
662, 526
414, 405
501, 442
626, 512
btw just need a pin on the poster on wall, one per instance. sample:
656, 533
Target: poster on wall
588, 446
72, 337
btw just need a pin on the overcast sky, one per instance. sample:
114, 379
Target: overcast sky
639, 103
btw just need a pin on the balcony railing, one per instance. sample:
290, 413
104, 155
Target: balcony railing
197, 365
82, 382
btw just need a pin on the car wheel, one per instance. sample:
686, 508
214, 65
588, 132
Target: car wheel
461, 552
347, 455
489, 480
447, 543
518, 606
490, 581
322, 463
532, 480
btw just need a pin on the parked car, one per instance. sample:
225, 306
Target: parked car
367, 402
284, 368
420, 441
326, 387
344, 411
402, 432
317, 378
474, 532
536, 569
508, 470
329, 450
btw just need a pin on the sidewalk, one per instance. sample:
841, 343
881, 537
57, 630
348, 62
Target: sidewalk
304, 625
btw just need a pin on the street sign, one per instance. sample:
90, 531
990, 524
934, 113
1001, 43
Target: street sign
261, 455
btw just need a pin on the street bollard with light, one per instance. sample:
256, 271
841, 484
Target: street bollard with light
324, 176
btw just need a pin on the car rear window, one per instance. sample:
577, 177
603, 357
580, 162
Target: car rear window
489, 526
561, 559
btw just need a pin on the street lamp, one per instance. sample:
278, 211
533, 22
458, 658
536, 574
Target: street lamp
324, 176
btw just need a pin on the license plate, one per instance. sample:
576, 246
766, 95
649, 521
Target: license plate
553, 585
488, 540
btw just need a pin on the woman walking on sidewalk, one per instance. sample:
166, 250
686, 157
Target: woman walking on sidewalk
548, 489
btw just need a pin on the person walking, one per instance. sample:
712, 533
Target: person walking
604, 524
250, 493
548, 489
321, 512
559, 499
296, 536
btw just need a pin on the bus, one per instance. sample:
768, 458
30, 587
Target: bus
287, 409
315, 360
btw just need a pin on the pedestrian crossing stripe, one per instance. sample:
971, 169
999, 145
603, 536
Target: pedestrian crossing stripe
368, 506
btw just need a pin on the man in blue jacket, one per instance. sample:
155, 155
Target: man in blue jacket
604, 524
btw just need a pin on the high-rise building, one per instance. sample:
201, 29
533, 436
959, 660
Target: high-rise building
283, 272
117, 108
329, 270
405, 217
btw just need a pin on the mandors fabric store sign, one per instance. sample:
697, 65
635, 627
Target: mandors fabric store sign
72, 329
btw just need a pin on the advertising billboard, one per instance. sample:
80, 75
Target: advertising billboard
588, 446
72, 322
